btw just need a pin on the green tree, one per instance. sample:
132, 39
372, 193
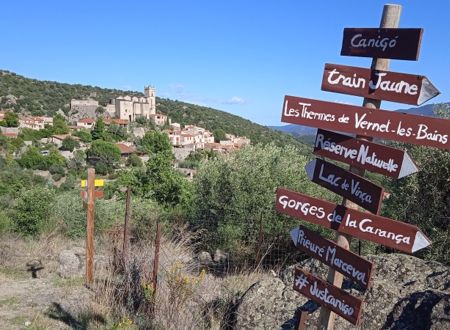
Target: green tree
84, 136
155, 142
11, 119
98, 132
59, 125
69, 144
33, 210
234, 196
33, 159
219, 135
117, 133
134, 161
104, 155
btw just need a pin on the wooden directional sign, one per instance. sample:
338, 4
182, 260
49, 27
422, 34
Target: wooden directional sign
97, 183
371, 156
394, 234
342, 182
328, 295
377, 84
402, 44
97, 194
363, 121
344, 261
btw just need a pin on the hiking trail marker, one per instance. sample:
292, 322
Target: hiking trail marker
367, 122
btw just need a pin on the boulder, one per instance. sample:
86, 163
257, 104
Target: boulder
220, 256
69, 264
407, 293
204, 258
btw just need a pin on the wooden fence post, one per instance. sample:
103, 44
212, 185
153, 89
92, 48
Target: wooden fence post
90, 227
389, 19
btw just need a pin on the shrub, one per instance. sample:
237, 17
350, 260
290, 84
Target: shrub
5, 222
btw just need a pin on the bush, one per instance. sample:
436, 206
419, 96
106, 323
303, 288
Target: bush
68, 210
69, 144
33, 210
5, 222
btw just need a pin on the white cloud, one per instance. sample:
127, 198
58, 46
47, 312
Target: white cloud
235, 100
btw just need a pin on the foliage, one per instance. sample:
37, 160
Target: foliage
103, 155
32, 158
78, 162
85, 136
235, 196
195, 158
11, 119
423, 199
117, 133
219, 135
98, 132
5, 222
69, 144
134, 161
33, 210
59, 125
155, 142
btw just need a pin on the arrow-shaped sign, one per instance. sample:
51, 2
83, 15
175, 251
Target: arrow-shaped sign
344, 261
394, 234
351, 186
377, 84
371, 156
403, 44
381, 124
328, 295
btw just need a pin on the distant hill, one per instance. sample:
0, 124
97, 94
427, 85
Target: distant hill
37, 97
300, 131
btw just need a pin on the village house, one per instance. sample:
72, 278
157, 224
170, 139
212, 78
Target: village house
35, 123
86, 123
159, 119
57, 139
116, 121
126, 149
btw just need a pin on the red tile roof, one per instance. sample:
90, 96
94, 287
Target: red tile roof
124, 149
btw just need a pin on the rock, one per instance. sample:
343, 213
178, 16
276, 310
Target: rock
407, 293
204, 258
220, 256
69, 264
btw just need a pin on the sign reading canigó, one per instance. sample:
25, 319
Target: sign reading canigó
403, 44
381, 124
328, 295
371, 156
376, 84
394, 234
344, 261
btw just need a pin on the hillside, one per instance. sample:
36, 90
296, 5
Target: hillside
38, 97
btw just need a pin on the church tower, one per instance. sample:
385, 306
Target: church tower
150, 94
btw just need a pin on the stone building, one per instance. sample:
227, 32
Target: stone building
83, 108
133, 107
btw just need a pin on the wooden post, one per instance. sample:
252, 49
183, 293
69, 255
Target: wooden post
389, 19
125, 228
302, 318
156, 258
90, 227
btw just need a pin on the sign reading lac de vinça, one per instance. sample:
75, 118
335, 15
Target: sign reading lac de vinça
346, 184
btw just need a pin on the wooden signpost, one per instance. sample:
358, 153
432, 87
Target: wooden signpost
394, 234
327, 295
371, 156
381, 124
348, 263
344, 183
402, 44
378, 84
89, 197
367, 122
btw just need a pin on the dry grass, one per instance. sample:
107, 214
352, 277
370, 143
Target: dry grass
187, 296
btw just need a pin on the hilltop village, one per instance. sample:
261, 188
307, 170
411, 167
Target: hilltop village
127, 118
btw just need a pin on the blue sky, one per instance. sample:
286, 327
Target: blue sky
238, 56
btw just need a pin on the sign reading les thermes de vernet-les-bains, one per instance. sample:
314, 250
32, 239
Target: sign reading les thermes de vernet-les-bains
371, 156
382, 124
342, 182
328, 295
394, 234
344, 261
403, 44
377, 84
